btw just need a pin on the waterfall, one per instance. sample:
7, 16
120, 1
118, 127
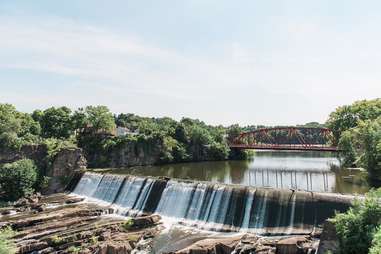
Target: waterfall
215, 206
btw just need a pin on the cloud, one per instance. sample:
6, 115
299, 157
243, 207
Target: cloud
303, 71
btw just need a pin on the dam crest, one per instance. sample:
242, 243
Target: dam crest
213, 206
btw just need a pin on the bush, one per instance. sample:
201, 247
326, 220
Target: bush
376, 243
357, 227
6, 245
17, 179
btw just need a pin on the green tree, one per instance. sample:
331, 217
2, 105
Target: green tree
100, 117
362, 146
17, 179
349, 116
233, 132
55, 122
16, 128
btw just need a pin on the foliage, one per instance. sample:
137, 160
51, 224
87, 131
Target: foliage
376, 243
54, 146
357, 227
187, 140
99, 118
346, 143
16, 128
18, 178
6, 244
357, 131
362, 146
55, 122
349, 116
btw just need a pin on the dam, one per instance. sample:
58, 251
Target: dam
214, 206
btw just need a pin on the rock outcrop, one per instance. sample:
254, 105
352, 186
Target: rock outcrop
37, 153
135, 154
60, 170
252, 244
62, 223
67, 225
65, 165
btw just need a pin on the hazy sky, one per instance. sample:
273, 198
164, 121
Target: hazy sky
247, 62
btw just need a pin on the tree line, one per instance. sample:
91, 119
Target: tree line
357, 131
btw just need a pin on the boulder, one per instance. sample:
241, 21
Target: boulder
292, 245
212, 246
115, 248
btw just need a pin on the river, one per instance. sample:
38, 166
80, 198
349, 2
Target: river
310, 171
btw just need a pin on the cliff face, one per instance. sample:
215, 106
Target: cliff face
37, 153
60, 170
134, 154
65, 164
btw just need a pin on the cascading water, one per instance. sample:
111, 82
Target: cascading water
215, 206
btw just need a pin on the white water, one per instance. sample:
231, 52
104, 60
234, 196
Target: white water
211, 206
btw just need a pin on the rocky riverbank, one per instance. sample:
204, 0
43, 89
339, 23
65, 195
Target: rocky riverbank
63, 223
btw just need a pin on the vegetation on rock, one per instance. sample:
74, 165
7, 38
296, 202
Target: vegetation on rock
17, 179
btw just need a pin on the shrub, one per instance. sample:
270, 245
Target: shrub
376, 243
357, 227
17, 179
6, 245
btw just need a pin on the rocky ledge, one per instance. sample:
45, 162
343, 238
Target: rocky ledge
251, 244
62, 223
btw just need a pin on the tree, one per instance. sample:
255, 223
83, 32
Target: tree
233, 132
100, 117
79, 119
347, 117
16, 128
55, 122
362, 146
17, 179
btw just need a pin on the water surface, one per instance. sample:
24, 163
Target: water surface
311, 171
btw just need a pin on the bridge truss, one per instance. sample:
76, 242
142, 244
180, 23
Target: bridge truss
286, 138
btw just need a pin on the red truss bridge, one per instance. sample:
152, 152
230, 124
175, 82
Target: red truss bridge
286, 138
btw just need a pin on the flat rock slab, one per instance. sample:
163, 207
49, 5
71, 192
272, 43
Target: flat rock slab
68, 225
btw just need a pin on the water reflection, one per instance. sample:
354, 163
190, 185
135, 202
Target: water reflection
311, 171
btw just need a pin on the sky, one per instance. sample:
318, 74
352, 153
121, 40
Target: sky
273, 62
